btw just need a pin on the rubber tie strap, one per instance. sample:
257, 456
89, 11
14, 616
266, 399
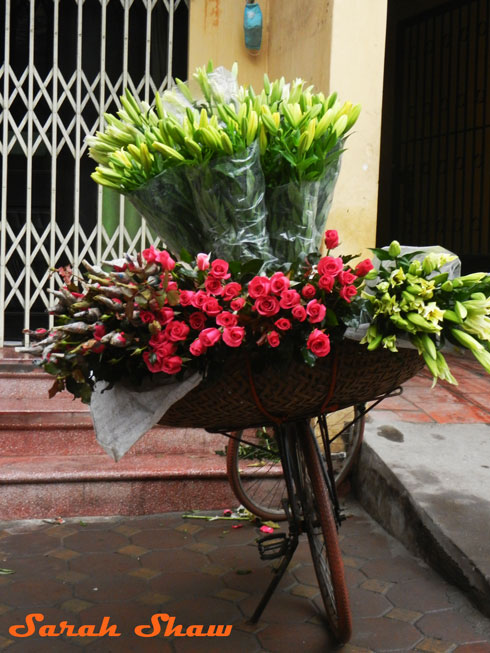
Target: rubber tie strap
258, 403
333, 381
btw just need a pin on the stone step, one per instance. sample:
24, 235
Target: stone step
62, 440
71, 486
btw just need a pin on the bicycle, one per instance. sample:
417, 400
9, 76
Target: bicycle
312, 508
254, 467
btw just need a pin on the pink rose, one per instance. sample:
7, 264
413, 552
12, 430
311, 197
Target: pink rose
219, 269
267, 305
326, 282
210, 336
150, 254
283, 324
213, 285
147, 316
318, 343
202, 261
315, 311
165, 315
299, 313
233, 336
331, 238
153, 363
197, 348
211, 306
231, 290
176, 330
197, 320
346, 278
308, 291
99, 331
172, 364
289, 298
273, 339
172, 285
364, 267
259, 287
98, 348
278, 283
186, 297
330, 265
165, 260
199, 299
348, 292
163, 348
226, 319
237, 304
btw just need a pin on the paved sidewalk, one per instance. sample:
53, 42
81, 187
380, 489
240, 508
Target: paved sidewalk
424, 473
206, 573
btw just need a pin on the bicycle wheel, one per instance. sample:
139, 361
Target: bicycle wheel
345, 432
256, 476
320, 527
255, 473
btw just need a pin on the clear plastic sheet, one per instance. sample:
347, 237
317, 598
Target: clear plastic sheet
228, 195
166, 204
297, 215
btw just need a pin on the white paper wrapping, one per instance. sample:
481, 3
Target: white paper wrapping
121, 416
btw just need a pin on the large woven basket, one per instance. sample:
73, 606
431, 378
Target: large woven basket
239, 399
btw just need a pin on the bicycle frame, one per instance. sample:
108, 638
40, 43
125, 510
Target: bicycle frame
273, 546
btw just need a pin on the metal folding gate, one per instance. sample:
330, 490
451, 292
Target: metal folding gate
65, 64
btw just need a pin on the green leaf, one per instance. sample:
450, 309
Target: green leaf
5, 572
51, 368
186, 256
381, 254
308, 357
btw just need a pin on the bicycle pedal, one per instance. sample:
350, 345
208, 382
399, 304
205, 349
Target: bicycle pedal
273, 546
340, 455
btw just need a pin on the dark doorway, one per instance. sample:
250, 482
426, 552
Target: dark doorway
435, 142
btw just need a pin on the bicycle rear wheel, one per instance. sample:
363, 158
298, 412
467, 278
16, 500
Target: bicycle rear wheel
256, 475
320, 527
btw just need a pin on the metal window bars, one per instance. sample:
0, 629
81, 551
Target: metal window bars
65, 64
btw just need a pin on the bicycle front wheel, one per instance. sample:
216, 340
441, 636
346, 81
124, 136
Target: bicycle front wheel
320, 527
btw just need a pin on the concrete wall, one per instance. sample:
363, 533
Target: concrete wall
334, 44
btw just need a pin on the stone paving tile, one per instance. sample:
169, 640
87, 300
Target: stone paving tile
209, 575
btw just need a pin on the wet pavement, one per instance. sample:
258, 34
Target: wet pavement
208, 573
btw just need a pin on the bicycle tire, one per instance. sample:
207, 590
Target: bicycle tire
320, 527
260, 487
257, 484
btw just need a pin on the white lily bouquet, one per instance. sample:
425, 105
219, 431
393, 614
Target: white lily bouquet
214, 166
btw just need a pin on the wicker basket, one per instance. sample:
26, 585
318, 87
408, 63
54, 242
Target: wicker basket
350, 374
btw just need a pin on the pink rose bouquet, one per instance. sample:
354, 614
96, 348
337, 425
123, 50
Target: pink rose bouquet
149, 315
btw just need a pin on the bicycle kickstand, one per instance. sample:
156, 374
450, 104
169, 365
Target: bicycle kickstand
275, 546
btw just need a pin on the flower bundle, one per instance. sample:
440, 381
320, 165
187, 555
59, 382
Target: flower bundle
152, 317
414, 297
216, 166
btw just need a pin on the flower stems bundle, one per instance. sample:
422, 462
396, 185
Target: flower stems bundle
416, 298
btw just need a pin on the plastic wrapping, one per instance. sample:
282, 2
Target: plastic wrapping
228, 195
297, 215
223, 86
166, 204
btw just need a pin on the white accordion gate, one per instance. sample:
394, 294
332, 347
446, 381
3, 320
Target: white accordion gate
66, 62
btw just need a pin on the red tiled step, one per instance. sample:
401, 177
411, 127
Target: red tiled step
47, 486
63, 441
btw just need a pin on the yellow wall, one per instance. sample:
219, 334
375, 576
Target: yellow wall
334, 44
356, 72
